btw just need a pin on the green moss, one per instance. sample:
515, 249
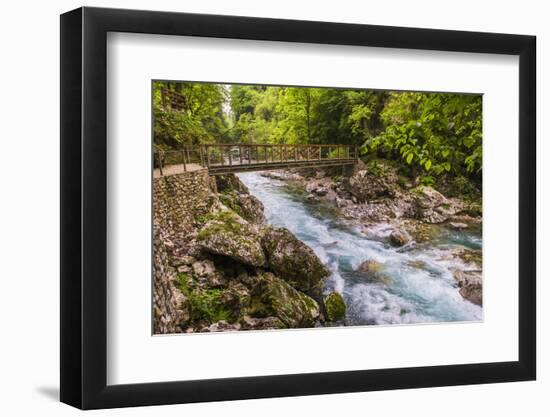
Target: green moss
224, 221
208, 305
183, 283
275, 297
335, 307
229, 199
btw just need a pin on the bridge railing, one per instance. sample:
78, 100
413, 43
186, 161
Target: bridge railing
218, 156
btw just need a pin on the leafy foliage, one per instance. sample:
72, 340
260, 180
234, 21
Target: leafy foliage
431, 135
432, 132
198, 119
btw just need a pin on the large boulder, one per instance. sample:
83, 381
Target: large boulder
235, 195
370, 266
230, 182
274, 297
469, 284
399, 237
370, 184
246, 205
228, 234
374, 272
432, 206
251, 208
294, 261
335, 307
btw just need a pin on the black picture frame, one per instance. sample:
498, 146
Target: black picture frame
84, 207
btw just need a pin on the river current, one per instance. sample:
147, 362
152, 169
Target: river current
418, 286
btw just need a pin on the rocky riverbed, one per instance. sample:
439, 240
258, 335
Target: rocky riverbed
402, 213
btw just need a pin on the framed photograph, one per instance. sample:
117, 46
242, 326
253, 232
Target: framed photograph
257, 208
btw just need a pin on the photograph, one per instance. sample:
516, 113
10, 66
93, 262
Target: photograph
291, 207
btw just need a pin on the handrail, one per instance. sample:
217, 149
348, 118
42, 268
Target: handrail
237, 156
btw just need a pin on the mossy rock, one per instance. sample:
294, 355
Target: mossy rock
230, 182
228, 234
370, 266
205, 304
335, 307
294, 261
245, 205
276, 298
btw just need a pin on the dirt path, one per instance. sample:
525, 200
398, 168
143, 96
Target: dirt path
176, 169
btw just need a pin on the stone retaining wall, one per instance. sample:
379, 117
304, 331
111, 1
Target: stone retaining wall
177, 201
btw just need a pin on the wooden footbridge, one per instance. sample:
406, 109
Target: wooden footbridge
222, 159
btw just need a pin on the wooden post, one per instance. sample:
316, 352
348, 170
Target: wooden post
319, 152
183, 157
207, 157
159, 158
240, 154
230, 157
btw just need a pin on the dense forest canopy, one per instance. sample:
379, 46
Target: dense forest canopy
431, 134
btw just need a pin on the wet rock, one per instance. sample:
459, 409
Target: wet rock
310, 198
458, 226
275, 297
469, 284
370, 267
335, 307
417, 264
469, 256
320, 191
374, 272
294, 261
399, 237
282, 175
230, 235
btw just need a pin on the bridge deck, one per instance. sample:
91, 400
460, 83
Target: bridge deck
228, 158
